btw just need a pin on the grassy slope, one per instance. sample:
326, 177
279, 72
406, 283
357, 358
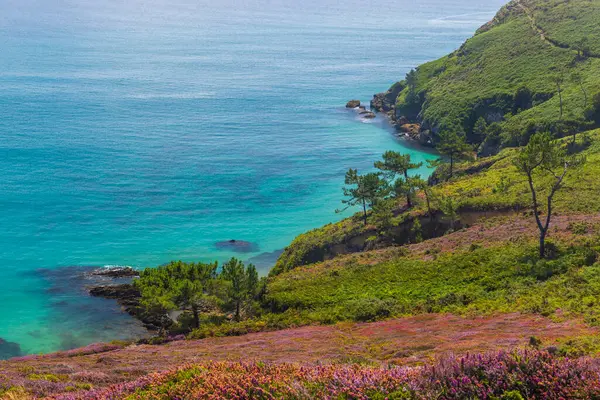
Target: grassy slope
502, 278
479, 191
495, 63
568, 22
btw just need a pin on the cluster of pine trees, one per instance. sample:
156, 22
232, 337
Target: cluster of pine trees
394, 181
199, 288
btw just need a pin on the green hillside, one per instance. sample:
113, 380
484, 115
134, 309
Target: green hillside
507, 73
489, 186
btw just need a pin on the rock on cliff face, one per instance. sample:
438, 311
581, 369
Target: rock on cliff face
385, 102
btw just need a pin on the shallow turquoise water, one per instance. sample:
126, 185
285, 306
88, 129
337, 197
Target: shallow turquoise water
135, 134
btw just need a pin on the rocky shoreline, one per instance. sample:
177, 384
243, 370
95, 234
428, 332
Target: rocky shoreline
125, 294
385, 103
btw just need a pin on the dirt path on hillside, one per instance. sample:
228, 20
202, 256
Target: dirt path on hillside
544, 36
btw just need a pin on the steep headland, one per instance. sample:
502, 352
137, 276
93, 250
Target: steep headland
533, 67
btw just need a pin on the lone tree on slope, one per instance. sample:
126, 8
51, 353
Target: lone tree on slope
454, 146
545, 164
394, 164
363, 190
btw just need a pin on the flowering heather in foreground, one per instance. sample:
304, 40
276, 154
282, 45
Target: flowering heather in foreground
532, 374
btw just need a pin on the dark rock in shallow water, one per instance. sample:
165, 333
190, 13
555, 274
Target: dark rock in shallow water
353, 104
367, 114
9, 349
117, 272
239, 246
119, 292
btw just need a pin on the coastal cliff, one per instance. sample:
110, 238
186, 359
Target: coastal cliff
531, 68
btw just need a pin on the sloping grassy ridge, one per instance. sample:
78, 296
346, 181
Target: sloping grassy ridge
491, 184
482, 77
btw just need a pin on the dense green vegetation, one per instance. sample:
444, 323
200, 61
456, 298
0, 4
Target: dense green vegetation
533, 68
198, 288
505, 278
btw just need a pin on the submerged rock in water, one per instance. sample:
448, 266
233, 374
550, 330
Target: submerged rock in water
265, 261
353, 104
239, 246
9, 349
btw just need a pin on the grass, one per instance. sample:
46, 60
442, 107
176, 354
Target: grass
489, 184
481, 191
497, 279
312, 246
568, 23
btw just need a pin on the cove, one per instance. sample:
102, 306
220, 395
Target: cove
137, 135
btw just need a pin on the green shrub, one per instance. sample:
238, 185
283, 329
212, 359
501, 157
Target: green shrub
370, 309
512, 395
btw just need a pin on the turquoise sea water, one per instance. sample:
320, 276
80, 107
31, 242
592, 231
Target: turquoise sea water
137, 132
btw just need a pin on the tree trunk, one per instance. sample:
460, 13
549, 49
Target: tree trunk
237, 310
196, 317
365, 212
451, 165
428, 206
408, 200
542, 244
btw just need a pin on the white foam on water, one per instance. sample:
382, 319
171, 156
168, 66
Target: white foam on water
181, 96
462, 19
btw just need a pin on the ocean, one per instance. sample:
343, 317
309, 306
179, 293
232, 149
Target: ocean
143, 131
